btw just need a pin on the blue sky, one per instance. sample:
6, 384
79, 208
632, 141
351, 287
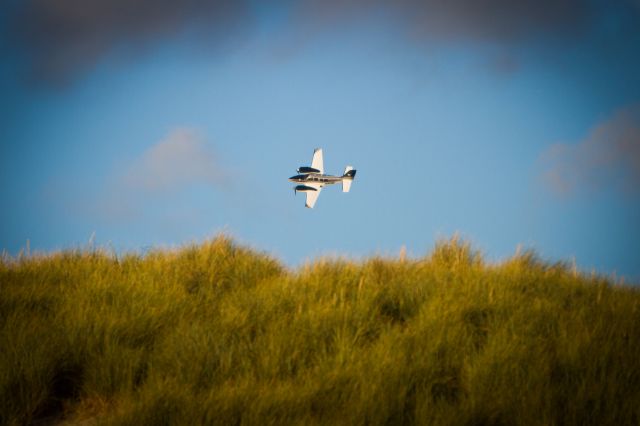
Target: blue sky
152, 124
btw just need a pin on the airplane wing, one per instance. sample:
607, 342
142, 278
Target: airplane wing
317, 162
312, 196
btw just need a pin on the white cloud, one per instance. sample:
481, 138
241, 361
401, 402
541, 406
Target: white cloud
164, 173
182, 158
608, 158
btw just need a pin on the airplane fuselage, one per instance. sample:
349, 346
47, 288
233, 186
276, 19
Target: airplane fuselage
316, 178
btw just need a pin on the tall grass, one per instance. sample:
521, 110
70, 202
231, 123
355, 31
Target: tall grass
220, 334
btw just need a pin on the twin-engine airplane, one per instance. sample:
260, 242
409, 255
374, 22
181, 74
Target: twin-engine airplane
312, 179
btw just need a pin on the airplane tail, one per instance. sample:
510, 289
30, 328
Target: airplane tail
347, 178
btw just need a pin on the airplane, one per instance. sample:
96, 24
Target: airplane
312, 179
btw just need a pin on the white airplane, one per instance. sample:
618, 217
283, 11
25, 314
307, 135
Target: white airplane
312, 179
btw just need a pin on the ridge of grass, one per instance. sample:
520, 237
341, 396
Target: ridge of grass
218, 333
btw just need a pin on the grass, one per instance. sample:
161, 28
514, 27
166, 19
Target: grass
221, 334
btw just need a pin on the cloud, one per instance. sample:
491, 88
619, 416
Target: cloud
179, 160
608, 158
497, 20
62, 39
164, 173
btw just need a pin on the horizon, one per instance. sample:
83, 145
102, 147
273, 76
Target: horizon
401, 255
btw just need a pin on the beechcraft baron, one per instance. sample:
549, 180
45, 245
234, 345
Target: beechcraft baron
312, 179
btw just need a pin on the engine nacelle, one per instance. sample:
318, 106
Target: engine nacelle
304, 188
307, 170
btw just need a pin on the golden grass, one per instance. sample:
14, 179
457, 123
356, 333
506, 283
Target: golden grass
220, 334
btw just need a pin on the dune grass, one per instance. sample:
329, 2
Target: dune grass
220, 334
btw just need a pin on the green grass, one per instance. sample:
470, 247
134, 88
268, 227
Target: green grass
221, 334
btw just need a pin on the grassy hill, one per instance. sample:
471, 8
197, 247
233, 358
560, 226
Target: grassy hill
220, 334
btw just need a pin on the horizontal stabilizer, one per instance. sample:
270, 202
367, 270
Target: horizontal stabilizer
347, 178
